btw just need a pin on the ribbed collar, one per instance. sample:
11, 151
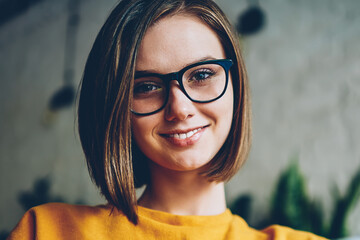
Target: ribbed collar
181, 220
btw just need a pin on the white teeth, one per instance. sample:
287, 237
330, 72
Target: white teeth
184, 135
189, 134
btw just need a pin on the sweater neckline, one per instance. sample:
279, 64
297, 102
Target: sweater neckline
184, 220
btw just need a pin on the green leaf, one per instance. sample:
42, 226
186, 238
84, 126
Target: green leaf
343, 207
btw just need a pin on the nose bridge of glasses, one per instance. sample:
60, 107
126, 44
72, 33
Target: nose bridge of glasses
171, 76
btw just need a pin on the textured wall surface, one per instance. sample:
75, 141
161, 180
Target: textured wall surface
304, 69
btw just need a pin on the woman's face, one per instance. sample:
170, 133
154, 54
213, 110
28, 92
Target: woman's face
185, 135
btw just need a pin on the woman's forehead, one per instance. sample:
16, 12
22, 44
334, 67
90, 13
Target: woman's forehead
176, 41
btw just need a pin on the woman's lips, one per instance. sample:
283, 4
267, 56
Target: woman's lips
184, 138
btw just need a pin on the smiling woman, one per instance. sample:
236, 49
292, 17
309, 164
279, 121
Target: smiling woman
158, 46
164, 102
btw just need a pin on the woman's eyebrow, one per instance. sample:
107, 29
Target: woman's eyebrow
144, 73
200, 60
150, 72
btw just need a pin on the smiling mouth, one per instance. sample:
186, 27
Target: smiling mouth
182, 134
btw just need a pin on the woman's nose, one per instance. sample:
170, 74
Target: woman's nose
179, 106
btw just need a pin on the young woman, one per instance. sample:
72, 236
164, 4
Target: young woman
164, 103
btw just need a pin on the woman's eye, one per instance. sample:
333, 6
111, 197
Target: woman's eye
201, 75
146, 88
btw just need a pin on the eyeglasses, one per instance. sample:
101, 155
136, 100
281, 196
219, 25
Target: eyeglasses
202, 82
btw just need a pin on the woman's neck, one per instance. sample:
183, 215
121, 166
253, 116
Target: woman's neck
183, 193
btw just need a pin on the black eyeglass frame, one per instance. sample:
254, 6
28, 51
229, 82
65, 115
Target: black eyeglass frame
178, 76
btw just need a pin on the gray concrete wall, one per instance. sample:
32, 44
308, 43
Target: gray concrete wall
304, 73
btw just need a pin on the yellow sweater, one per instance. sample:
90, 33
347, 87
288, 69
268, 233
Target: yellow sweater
63, 221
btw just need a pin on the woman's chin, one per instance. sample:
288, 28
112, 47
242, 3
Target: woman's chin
182, 165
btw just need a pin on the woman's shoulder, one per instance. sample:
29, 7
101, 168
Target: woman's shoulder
59, 219
64, 208
282, 232
63, 211
275, 232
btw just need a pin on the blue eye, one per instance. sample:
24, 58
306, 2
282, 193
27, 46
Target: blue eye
201, 75
144, 88
148, 88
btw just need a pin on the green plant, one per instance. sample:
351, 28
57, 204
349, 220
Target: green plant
292, 206
344, 204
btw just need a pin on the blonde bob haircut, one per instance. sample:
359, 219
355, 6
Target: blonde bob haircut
115, 163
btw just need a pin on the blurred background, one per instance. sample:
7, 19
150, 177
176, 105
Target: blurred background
303, 62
